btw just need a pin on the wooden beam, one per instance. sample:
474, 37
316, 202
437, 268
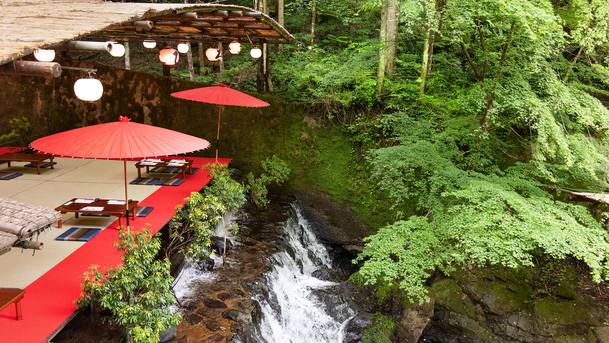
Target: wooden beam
31, 68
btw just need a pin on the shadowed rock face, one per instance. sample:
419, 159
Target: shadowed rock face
486, 305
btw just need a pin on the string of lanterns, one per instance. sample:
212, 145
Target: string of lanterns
90, 89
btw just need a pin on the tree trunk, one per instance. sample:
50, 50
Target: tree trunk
280, 8
313, 25
201, 58
221, 60
191, 67
127, 58
393, 13
573, 64
382, 49
424, 67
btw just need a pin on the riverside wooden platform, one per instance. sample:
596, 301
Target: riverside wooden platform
179, 164
34, 159
12, 296
115, 208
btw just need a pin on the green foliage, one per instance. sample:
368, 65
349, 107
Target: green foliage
379, 331
138, 293
19, 127
275, 170
195, 221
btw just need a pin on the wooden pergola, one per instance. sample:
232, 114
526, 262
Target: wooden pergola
41, 24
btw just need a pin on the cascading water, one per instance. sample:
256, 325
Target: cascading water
266, 291
300, 307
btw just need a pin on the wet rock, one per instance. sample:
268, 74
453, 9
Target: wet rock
217, 244
205, 265
237, 292
217, 287
353, 330
213, 303
255, 286
322, 274
224, 296
215, 338
193, 318
209, 313
212, 325
169, 334
240, 317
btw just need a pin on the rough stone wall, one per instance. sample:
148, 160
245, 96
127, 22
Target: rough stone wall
51, 106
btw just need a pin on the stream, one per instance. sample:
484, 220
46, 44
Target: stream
277, 273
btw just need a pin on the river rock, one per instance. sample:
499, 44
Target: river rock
353, 330
169, 334
241, 317
213, 303
217, 244
413, 321
205, 265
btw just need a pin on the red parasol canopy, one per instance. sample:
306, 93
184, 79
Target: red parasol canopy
120, 140
220, 95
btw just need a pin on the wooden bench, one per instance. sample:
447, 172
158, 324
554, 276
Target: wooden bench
180, 164
12, 296
105, 206
35, 159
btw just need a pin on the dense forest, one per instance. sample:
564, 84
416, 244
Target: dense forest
469, 122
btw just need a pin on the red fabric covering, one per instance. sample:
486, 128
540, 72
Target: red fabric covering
220, 95
48, 301
119, 140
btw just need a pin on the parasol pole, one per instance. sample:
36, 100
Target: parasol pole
126, 196
218, 136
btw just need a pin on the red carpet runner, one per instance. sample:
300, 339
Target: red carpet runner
48, 301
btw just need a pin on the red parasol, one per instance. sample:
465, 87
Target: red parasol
120, 140
220, 95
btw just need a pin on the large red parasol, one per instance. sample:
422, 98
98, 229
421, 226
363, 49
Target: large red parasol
220, 95
120, 140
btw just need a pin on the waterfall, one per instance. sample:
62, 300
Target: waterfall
300, 307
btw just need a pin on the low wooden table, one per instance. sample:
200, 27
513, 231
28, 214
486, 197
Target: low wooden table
35, 159
165, 163
78, 205
12, 296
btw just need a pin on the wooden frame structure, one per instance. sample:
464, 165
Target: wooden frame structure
31, 24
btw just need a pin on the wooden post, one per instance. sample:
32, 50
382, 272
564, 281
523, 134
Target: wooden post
127, 58
191, 68
201, 58
31, 68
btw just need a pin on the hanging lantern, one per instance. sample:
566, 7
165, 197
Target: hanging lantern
183, 47
234, 47
117, 50
149, 43
169, 56
256, 53
212, 54
88, 89
44, 55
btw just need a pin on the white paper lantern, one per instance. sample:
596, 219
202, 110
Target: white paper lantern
149, 44
256, 53
169, 56
44, 55
117, 50
183, 48
234, 48
88, 89
212, 54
